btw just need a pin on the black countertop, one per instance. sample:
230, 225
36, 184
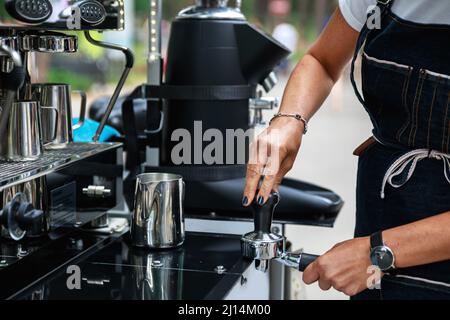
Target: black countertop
109, 268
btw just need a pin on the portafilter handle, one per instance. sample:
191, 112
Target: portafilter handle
299, 261
263, 215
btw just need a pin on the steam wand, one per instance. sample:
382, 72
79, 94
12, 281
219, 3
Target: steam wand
262, 245
129, 65
13, 55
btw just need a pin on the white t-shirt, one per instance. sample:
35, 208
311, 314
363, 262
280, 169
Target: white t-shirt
420, 11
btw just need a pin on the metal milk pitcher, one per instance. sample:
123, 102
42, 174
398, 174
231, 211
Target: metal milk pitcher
23, 141
158, 218
58, 131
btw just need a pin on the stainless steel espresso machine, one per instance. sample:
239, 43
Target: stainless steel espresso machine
50, 186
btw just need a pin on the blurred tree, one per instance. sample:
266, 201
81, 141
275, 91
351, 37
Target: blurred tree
261, 10
141, 7
320, 13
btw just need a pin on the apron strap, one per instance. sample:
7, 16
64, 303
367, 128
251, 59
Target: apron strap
404, 167
385, 6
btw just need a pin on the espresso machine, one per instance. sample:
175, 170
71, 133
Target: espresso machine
50, 186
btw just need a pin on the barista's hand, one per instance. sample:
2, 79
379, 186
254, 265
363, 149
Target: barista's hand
345, 268
272, 155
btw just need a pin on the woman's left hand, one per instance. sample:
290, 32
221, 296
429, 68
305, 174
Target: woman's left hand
345, 268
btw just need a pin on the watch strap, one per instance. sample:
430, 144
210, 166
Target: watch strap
376, 240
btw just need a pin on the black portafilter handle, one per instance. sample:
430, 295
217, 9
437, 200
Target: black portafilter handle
305, 260
263, 218
300, 261
263, 215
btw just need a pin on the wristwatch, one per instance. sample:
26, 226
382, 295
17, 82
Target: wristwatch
381, 255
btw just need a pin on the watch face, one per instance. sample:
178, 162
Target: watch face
383, 258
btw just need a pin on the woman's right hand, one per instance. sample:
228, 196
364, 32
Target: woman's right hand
272, 156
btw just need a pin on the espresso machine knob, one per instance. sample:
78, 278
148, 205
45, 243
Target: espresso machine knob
29, 218
92, 13
29, 11
19, 217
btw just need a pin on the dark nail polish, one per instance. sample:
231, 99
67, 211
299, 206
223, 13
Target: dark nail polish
260, 200
245, 201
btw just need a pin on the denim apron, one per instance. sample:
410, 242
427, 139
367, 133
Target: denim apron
405, 176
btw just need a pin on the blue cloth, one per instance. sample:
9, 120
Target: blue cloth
87, 131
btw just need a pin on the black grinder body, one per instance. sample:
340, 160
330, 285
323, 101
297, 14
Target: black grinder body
214, 53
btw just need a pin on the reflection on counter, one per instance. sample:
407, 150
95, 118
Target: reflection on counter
206, 267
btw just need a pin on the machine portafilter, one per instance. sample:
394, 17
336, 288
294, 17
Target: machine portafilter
263, 246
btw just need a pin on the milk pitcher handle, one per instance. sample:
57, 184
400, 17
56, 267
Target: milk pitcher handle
83, 108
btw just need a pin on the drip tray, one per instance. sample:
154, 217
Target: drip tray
51, 161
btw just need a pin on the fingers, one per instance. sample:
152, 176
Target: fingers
276, 168
311, 274
270, 174
286, 166
324, 284
255, 169
268, 161
254, 172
